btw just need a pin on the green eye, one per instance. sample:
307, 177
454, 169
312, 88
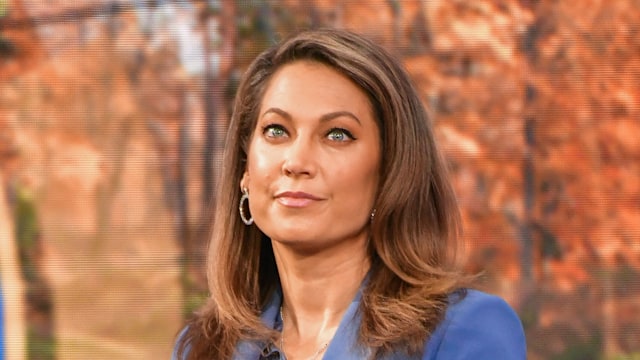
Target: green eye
274, 131
337, 134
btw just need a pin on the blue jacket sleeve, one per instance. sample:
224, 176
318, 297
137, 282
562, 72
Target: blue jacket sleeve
1, 324
174, 354
480, 326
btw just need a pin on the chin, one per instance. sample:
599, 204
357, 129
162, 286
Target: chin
306, 247
295, 238
298, 229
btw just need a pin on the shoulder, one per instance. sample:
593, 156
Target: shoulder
478, 326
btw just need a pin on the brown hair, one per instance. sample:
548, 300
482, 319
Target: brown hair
413, 236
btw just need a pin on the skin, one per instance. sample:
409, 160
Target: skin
312, 175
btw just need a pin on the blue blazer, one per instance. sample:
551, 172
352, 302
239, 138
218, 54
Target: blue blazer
1, 324
478, 326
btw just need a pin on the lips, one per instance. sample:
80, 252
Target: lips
296, 199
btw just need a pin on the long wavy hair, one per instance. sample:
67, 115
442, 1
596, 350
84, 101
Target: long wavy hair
414, 236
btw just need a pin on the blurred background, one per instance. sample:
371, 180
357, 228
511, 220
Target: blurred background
112, 120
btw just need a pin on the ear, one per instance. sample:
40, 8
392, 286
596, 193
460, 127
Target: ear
244, 182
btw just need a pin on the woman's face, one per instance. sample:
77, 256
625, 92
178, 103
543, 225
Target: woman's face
313, 159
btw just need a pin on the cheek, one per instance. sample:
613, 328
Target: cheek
261, 164
372, 178
361, 179
371, 165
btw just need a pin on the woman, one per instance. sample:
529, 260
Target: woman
336, 227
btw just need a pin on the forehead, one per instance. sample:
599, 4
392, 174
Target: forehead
309, 84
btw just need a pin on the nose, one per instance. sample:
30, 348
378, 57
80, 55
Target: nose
300, 158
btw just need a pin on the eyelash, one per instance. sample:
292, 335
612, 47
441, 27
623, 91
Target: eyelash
273, 126
346, 132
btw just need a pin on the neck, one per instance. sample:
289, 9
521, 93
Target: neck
318, 288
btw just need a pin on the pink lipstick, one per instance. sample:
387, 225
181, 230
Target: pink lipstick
297, 199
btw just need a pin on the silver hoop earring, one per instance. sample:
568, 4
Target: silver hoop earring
245, 196
373, 214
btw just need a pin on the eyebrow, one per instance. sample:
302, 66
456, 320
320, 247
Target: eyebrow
323, 118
